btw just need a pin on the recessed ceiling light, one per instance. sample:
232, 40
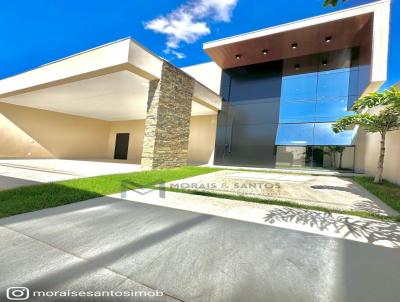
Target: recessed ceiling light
297, 66
238, 57
265, 51
325, 62
294, 45
328, 39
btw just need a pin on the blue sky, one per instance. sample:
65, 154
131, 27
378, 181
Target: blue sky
33, 33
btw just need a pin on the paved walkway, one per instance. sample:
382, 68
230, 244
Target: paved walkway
325, 191
22, 172
309, 171
113, 244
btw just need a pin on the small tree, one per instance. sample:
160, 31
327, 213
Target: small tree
385, 120
331, 152
332, 2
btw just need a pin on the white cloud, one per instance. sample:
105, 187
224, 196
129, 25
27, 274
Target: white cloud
188, 22
179, 55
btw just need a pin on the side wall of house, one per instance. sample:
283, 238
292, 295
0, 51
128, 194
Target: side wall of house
367, 153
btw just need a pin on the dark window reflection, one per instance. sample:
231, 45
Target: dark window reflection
323, 157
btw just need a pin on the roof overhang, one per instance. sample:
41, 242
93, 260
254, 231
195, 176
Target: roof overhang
109, 82
366, 25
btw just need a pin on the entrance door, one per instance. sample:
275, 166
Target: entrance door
121, 146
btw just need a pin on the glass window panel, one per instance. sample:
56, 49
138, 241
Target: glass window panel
308, 65
295, 134
329, 110
338, 157
295, 111
291, 156
255, 113
364, 75
351, 100
336, 59
299, 87
323, 135
333, 83
354, 80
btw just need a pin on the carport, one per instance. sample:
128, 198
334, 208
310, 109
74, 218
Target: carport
118, 101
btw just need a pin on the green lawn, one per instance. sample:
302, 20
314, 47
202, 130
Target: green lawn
388, 192
36, 197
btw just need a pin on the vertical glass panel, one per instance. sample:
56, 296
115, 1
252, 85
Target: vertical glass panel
335, 60
324, 157
329, 110
296, 111
333, 83
290, 157
295, 134
299, 87
363, 78
305, 64
323, 135
338, 158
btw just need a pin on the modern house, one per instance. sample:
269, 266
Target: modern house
267, 99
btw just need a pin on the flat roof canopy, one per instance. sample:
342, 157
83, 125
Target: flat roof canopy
108, 83
366, 24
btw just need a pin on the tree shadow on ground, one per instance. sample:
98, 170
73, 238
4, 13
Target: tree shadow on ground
372, 231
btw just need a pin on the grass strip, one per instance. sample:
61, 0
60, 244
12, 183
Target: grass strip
388, 192
37, 197
363, 214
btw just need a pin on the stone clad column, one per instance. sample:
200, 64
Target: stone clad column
167, 125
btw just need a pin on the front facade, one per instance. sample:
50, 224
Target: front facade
267, 99
283, 87
279, 114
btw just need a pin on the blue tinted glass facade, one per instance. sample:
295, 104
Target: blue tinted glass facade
280, 114
317, 90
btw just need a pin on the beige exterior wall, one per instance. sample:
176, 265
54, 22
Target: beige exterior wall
136, 134
202, 139
367, 153
28, 132
36, 133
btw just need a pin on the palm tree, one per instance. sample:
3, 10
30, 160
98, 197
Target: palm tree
386, 119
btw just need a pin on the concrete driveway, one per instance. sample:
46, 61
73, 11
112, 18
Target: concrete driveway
330, 191
22, 172
114, 244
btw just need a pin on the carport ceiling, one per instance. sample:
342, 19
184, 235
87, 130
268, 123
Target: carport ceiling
113, 97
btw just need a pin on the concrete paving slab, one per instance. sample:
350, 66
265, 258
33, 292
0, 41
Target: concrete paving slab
326, 191
35, 264
7, 182
20, 172
384, 233
309, 171
270, 176
191, 256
